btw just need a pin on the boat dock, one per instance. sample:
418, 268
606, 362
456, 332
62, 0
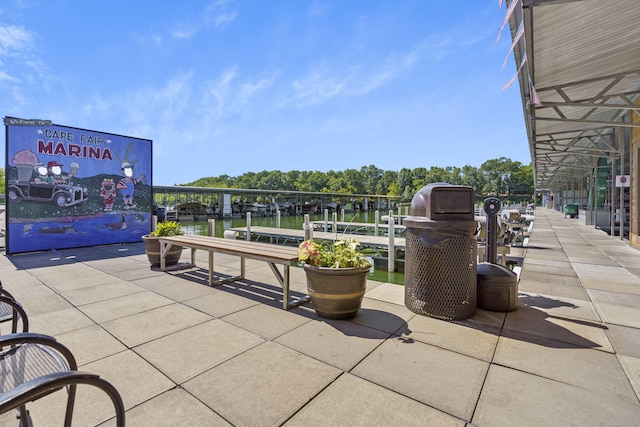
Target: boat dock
284, 236
359, 228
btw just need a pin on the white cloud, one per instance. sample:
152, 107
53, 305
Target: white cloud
13, 39
388, 71
182, 33
248, 90
318, 8
216, 14
318, 87
224, 18
217, 92
7, 77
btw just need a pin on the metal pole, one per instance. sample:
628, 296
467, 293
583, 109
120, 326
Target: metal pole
248, 236
492, 207
391, 253
612, 192
622, 208
334, 220
308, 232
376, 222
326, 220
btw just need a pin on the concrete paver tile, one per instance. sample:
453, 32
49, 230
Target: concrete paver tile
356, 402
187, 353
387, 292
385, 316
631, 366
182, 290
13, 279
173, 408
340, 343
79, 297
90, 344
44, 304
564, 270
559, 306
564, 363
535, 321
270, 320
545, 288
59, 321
625, 340
514, 398
115, 308
222, 302
135, 380
598, 271
28, 293
448, 381
473, 340
159, 281
540, 263
263, 386
619, 308
551, 278
143, 327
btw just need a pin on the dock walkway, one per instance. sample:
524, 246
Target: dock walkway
181, 352
290, 236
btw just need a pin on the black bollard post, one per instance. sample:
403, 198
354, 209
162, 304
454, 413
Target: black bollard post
492, 208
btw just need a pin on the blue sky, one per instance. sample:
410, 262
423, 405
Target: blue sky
236, 86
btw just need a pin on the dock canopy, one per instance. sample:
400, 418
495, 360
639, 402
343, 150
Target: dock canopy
579, 76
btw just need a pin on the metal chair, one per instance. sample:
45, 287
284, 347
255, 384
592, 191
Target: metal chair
10, 309
35, 365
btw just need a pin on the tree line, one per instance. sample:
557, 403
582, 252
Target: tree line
510, 180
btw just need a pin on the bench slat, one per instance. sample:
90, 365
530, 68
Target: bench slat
258, 250
272, 254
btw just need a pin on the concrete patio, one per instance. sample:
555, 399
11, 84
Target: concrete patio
183, 353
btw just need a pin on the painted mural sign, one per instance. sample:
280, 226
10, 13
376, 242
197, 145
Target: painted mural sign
68, 187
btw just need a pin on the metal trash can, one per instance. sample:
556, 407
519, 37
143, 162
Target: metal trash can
497, 285
440, 277
571, 210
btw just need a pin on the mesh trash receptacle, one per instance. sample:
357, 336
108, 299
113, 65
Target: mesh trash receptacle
441, 253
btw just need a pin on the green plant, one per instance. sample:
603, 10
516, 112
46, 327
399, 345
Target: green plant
167, 228
339, 254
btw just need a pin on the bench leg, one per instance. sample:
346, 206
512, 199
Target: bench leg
210, 268
284, 282
164, 248
227, 280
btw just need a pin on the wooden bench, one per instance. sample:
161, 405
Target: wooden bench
271, 254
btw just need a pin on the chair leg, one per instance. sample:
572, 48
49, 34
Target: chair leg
25, 418
70, 403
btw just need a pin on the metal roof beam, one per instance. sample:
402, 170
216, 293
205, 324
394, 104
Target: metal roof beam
590, 122
592, 104
535, 3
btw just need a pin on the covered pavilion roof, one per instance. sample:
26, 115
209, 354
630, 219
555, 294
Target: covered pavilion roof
579, 76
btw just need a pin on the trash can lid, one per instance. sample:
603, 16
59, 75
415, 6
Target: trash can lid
494, 270
443, 201
424, 222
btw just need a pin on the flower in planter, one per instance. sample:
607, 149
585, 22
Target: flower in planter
167, 228
339, 254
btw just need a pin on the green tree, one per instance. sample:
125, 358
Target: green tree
386, 180
371, 176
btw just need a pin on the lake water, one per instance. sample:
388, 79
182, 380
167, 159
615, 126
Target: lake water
295, 222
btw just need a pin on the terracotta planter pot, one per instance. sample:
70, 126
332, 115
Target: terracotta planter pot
152, 247
336, 293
